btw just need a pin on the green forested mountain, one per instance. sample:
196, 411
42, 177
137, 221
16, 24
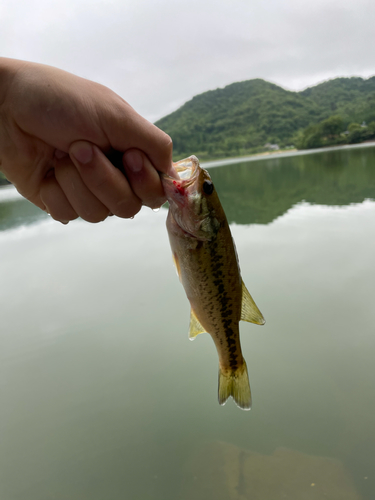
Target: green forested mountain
352, 98
242, 117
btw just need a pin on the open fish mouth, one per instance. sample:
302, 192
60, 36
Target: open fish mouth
187, 168
187, 171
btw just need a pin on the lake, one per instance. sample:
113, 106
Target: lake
103, 397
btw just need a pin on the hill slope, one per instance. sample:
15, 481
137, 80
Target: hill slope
243, 116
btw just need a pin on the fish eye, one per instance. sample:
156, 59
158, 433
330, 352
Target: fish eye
208, 187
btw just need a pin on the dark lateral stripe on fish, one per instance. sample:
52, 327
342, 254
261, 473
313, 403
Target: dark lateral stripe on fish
200, 236
225, 302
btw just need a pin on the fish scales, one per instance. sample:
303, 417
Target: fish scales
209, 273
207, 265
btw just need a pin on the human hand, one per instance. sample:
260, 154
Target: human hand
55, 132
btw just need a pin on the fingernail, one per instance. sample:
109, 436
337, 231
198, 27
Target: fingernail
134, 161
65, 222
82, 152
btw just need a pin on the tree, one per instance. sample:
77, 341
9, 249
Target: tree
332, 126
354, 126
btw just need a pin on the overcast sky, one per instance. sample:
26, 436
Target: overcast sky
157, 54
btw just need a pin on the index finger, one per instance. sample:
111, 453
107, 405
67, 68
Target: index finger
125, 129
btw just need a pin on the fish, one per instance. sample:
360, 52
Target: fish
207, 265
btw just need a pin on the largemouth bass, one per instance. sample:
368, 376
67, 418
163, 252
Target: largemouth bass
207, 265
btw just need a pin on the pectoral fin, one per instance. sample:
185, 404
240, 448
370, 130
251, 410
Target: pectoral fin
249, 309
195, 327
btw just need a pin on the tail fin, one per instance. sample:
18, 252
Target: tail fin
235, 384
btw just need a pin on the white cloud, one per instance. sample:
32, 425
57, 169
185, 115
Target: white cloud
159, 54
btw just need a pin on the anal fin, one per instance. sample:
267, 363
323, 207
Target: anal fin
195, 327
249, 309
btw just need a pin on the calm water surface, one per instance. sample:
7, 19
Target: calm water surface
104, 398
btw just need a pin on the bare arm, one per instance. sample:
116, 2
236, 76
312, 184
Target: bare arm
55, 132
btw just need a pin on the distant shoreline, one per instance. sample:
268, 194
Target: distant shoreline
261, 156
282, 153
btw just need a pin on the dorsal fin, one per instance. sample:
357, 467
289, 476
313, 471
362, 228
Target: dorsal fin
249, 309
195, 327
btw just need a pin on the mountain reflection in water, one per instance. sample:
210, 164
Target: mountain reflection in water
259, 191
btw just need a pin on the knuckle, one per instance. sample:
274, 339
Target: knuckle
93, 220
167, 142
62, 213
55, 202
127, 208
95, 216
155, 203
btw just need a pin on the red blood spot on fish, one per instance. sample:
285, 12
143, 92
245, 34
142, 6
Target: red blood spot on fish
179, 188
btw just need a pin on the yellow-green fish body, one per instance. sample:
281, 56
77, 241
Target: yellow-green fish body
207, 265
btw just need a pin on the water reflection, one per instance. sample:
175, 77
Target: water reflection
103, 395
260, 191
15, 211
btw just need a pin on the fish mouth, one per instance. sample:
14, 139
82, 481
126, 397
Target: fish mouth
186, 170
